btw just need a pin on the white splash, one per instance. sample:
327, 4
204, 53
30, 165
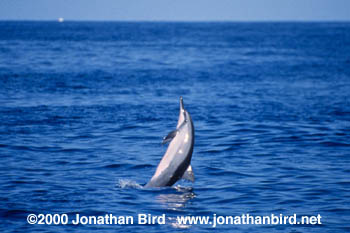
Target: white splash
124, 183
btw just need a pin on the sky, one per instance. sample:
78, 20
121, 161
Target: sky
177, 10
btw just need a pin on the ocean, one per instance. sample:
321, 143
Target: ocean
84, 107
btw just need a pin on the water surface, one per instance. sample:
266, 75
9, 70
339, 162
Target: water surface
84, 107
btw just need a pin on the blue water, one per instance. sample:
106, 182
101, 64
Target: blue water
84, 107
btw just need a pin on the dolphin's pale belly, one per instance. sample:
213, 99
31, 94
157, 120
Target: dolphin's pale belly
176, 160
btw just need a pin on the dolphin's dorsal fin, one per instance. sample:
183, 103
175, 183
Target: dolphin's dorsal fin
188, 175
170, 136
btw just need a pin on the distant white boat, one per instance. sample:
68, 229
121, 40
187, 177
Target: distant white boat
60, 20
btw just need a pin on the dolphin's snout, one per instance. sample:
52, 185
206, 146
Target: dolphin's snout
181, 103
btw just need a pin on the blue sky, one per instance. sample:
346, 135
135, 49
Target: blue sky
177, 10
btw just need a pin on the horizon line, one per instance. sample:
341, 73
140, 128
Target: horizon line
182, 21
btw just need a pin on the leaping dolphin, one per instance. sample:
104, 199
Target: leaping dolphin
175, 164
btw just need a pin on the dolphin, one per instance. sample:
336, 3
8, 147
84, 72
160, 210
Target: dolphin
175, 164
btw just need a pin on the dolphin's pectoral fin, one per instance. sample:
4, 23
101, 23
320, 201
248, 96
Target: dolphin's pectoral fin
170, 136
188, 175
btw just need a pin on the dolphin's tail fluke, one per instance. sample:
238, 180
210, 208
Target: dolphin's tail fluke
188, 175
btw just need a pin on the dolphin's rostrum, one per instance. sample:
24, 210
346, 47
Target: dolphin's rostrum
175, 164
